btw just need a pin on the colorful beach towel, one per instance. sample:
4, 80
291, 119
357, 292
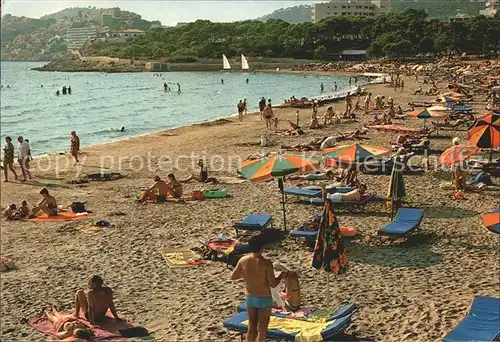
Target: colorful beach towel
306, 331
109, 328
180, 257
62, 216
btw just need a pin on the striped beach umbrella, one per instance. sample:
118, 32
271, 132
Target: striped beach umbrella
485, 131
276, 166
457, 154
355, 153
426, 113
491, 220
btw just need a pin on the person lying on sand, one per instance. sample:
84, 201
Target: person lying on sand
312, 145
96, 302
258, 274
328, 175
67, 325
48, 205
202, 176
351, 196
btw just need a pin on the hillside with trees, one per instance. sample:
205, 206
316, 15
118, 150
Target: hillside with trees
44, 39
396, 34
441, 9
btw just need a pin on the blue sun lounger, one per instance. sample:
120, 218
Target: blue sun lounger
405, 222
462, 108
482, 322
344, 310
335, 327
301, 232
254, 222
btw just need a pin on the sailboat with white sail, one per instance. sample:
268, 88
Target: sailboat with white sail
225, 63
244, 63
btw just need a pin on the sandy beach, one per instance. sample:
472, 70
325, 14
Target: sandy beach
413, 290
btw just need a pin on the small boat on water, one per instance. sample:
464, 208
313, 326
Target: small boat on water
244, 63
225, 63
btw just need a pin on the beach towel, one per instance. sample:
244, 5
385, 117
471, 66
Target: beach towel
306, 331
108, 328
62, 216
179, 257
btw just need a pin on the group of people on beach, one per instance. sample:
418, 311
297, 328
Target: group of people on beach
23, 158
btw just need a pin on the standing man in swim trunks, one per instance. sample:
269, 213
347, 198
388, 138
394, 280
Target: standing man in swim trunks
268, 115
48, 205
258, 274
23, 157
96, 302
241, 107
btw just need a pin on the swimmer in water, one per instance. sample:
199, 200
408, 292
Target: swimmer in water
221, 81
122, 129
58, 93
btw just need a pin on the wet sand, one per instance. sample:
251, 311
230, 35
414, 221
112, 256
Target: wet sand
415, 290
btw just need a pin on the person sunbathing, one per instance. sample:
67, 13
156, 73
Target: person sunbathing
174, 187
96, 302
24, 210
201, 177
328, 175
157, 192
48, 205
351, 196
10, 212
67, 325
312, 145
291, 295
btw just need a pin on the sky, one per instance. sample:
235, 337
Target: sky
168, 12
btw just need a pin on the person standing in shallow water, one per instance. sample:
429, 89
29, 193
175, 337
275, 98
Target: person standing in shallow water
75, 146
178, 88
258, 274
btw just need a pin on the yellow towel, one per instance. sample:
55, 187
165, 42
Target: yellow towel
178, 257
306, 331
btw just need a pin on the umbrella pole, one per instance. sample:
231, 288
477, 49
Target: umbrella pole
327, 289
281, 183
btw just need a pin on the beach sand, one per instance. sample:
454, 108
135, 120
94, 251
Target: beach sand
415, 290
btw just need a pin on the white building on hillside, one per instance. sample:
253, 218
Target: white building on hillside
123, 35
362, 8
76, 37
492, 7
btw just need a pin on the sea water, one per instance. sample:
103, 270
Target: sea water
100, 104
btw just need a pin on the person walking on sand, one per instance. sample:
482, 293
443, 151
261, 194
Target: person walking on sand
8, 158
74, 146
23, 158
241, 107
95, 303
348, 103
262, 106
258, 275
368, 100
245, 106
268, 115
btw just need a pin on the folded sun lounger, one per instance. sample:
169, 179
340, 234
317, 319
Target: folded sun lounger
291, 329
481, 322
405, 222
254, 222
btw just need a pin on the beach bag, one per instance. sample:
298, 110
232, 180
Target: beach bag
198, 195
78, 207
481, 177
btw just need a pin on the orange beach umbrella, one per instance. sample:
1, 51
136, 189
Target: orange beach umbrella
485, 131
457, 154
276, 166
355, 153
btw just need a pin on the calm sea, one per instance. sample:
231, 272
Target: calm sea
100, 104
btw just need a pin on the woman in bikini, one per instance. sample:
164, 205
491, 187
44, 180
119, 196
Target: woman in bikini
67, 325
174, 187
